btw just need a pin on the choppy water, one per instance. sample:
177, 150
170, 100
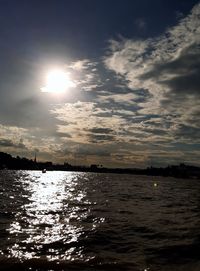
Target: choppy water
88, 221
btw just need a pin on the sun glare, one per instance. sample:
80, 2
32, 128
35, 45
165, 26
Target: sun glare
57, 81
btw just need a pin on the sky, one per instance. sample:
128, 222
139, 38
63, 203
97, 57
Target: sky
133, 71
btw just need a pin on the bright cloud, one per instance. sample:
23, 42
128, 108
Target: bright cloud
168, 67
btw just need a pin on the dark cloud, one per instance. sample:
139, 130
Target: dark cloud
27, 113
96, 130
10, 143
187, 132
155, 131
185, 84
6, 143
86, 150
183, 72
97, 138
61, 134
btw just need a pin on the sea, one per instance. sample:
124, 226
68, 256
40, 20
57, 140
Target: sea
93, 221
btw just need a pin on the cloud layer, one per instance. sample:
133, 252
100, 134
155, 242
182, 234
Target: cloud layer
139, 106
168, 68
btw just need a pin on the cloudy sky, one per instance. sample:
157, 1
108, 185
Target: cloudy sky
133, 81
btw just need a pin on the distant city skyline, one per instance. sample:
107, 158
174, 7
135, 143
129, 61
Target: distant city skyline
101, 82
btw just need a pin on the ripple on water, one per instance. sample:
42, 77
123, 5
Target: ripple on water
86, 221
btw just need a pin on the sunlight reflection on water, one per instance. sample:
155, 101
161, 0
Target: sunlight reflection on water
51, 216
89, 221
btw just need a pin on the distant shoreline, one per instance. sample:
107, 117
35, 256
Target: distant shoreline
178, 171
140, 172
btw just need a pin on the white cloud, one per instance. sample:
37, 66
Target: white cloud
125, 99
135, 58
168, 68
80, 65
13, 133
85, 74
80, 117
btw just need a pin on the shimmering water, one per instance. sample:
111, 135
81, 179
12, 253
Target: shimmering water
88, 221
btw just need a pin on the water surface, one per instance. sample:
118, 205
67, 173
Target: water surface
88, 221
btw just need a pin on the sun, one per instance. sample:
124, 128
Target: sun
57, 81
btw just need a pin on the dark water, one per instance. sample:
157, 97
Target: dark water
88, 221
